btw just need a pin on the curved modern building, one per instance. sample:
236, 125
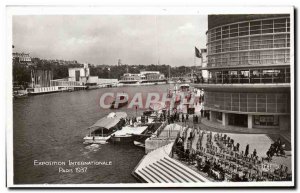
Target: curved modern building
249, 70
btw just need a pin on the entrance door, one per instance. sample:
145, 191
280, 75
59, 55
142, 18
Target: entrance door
238, 120
77, 75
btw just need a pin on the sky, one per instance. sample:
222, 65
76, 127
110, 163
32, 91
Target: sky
103, 39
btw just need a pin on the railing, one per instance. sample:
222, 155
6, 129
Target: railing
243, 80
160, 128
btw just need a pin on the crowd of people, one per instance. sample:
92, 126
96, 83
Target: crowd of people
221, 159
277, 148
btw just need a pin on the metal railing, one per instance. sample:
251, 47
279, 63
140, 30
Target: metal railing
244, 80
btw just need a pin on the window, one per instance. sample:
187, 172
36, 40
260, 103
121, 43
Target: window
219, 116
266, 120
234, 30
225, 32
255, 42
243, 29
244, 58
254, 57
243, 43
255, 27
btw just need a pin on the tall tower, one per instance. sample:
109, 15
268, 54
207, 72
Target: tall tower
119, 62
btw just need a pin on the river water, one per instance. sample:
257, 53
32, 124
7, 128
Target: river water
51, 128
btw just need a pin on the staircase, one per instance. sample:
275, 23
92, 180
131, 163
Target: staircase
158, 167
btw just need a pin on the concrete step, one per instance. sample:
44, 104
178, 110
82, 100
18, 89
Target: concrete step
157, 174
162, 173
189, 171
144, 176
154, 178
180, 175
181, 172
173, 176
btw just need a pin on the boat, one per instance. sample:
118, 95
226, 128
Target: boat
17, 95
142, 79
120, 101
142, 128
43, 90
139, 139
155, 111
127, 133
91, 86
184, 88
101, 131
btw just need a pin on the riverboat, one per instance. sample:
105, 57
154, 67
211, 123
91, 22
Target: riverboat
101, 131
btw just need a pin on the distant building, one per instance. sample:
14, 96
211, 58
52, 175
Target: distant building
41, 78
153, 75
21, 57
79, 77
79, 74
119, 62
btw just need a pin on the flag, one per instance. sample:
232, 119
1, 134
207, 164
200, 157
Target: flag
197, 53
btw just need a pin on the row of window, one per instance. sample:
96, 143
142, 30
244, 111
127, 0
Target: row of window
65, 83
250, 58
249, 43
266, 120
253, 76
248, 102
249, 28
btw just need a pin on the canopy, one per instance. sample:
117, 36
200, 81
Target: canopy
127, 130
111, 120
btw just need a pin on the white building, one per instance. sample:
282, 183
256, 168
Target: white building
21, 57
79, 74
204, 63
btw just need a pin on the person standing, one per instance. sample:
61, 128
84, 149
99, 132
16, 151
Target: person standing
247, 150
254, 153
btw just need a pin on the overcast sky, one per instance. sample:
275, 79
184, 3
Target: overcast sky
105, 39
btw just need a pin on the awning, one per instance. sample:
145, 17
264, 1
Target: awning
109, 121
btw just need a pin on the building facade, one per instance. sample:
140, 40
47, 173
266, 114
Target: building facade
248, 84
79, 74
41, 78
21, 57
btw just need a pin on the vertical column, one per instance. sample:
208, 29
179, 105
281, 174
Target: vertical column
212, 116
224, 119
250, 121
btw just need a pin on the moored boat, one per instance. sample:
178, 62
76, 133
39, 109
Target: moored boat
126, 134
101, 131
20, 94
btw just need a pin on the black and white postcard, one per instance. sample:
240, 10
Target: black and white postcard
150, 97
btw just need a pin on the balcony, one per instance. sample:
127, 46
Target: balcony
241, 83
